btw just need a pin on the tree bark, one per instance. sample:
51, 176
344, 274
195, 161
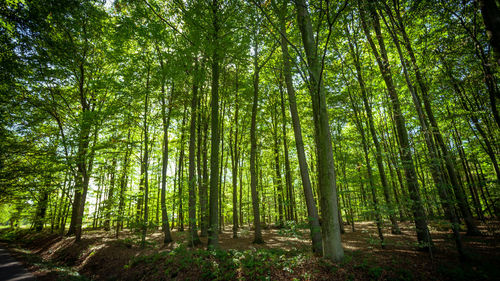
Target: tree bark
167, 237
193, 231
123, 184
109, 200
332, 247
277, 168
235, 160
491, 17
145, 164
253, 152
213, 234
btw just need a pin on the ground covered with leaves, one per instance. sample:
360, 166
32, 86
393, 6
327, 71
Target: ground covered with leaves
286, 255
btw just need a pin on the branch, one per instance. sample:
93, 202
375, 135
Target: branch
168, 23
330, 25
284, 36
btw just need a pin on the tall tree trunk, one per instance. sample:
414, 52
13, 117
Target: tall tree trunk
109, 200
332, 246
81, 184
277, 167
288, 173
222, 167
213, 234
145, 223
199, 145
60, 211
253, 151
180, 170
87, 167
205, 182
241, 192
235, 159
41, 210
193, 231
123, 184
165, 117
98, 200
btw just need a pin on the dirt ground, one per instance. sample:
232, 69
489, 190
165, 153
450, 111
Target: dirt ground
99, 256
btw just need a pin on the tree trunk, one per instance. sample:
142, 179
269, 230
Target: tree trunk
167, 237
41, 210
145, 223
332, 247
109, 200
234, 160
253, 152
205, 182
288, 173
180, 171
193, 231
123, 184
491, 17
277, 167
213, 234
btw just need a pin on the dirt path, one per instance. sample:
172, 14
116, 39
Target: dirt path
12, 270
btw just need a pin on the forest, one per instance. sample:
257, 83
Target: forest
250, 139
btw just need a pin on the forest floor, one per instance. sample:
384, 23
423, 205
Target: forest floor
286, 255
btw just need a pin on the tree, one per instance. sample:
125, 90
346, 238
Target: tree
332, 247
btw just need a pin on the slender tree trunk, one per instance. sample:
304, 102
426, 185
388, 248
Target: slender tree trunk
174, 194
205, 183
234, 161
180, 170
222, 167
145, 223
193, 231
288, 173
199, 146
123, 184
109, 200
60, 211
253, 151
97, 201
277, 168
241, 192
167, 237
